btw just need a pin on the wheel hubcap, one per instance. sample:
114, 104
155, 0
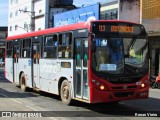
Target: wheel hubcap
65, 92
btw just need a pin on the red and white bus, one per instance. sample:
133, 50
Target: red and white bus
97, 61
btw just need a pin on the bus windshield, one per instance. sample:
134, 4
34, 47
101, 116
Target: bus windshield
120, 55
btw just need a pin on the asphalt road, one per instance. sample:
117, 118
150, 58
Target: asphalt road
25, 104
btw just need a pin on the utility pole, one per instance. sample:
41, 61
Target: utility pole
32, 15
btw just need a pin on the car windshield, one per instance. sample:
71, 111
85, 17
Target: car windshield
119, 55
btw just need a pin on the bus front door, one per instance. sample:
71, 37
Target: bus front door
81, 66
36, 69
16, 54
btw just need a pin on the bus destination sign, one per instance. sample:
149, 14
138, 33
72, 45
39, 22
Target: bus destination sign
117, 28
124, 29
114, 28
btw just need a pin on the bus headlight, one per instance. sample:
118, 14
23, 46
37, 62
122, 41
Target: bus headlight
98, 85
102, 87
142, 85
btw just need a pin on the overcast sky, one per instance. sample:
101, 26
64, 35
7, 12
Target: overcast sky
4, 8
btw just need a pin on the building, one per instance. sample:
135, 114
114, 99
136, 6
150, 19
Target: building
109, 10
147, 13
33, 15
3, 36
103, 11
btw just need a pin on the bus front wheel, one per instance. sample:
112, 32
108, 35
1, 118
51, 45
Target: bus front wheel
23, 82
65, 92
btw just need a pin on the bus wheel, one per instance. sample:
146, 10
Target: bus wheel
23, 82
65, 92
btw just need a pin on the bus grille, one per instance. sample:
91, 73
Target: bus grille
123, 80
122, 88
123, 94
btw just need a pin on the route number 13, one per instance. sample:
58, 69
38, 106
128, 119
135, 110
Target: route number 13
102, 28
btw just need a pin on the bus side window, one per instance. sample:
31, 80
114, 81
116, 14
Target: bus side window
26, 48
50, 46
65, 43
9, 49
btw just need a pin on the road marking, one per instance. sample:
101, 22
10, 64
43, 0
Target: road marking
31, 108
11, 99
53, 118
16, 101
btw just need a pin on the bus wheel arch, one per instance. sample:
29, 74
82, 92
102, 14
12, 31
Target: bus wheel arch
65, 92
23, 82
20, 78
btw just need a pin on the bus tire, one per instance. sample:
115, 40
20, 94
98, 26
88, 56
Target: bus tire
65, 92
23, 82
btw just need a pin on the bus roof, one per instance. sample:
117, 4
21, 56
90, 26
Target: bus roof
80, 25
49, 31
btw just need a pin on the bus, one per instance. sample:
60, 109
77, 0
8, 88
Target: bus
92, 62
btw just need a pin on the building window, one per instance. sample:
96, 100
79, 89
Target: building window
25, 26
109, 15
25, 9
114, 15
16, 27
40, 11
11, 15
10, 28
16, 13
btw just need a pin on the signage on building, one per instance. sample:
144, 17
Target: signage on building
77, 15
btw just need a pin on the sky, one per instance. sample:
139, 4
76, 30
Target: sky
4, 8
3, 12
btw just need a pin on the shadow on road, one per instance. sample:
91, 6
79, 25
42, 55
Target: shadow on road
17, 94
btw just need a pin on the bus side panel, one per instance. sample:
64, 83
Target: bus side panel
51, 71
47, 76
66, 71
25, 67
9, 69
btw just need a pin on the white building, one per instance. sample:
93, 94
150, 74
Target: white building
29, 15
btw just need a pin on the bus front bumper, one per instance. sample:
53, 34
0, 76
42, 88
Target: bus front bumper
111, 96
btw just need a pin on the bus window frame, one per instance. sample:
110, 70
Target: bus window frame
43, 45
71, 45
11, 42
39, 41
22, 47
